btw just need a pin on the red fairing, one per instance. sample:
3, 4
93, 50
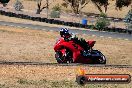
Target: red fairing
69, 45
91, 43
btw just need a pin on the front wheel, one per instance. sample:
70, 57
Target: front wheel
64, 58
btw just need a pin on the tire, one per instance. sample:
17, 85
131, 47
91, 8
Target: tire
59, 57
64, 59
101, 59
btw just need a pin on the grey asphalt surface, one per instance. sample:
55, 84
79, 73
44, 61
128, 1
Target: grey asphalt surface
124, 36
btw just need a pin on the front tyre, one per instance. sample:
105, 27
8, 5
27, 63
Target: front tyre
66, 58
59, 57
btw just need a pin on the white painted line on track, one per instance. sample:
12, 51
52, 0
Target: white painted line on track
26, 27
101, 36
47, 30
11, 25
119, 38
109, 37
19, 26
76, 33
5, 24
51, 30
127, 39
84, 34
93, 35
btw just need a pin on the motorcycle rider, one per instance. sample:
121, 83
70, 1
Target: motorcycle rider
64, 32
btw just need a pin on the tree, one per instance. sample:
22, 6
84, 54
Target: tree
123, 3
4, 2
119, 4
40, 7
76, 5
100, 3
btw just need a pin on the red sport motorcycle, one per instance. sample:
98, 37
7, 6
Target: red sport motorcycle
72, 52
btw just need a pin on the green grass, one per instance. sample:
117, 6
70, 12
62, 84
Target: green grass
3, 86
65, 84
31, 82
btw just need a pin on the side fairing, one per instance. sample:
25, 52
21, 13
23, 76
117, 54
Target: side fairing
60, 44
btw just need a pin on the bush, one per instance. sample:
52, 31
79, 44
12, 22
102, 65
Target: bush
18, 5
55, 13
128, 21
102, 22
57, 8
128, 17
103, 15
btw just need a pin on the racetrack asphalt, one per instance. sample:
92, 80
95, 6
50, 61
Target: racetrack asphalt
114, 35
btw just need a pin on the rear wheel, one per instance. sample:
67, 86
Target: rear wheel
99, 58
102, 60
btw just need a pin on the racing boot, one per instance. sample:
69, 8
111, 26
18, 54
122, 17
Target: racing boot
86, 53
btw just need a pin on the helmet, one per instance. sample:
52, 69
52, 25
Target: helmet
64, 31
